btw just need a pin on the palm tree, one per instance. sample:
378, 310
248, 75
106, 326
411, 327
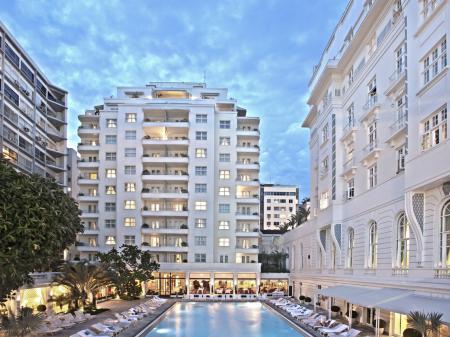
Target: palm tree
23, 324
83, 280
436, 322
418, 320
300, 216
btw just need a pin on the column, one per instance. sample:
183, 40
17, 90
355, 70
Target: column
211, 283
235, 283
329, 307
258, 283
188, 288
350, 311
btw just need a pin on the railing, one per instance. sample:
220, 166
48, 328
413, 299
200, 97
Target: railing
167, 120
247, 246
87, 194
429, 7
397, 74
53, 99
350, 125
399, 123
249, 129
179, 155
370, 147
371, 102
349, 164
83, 160
164, 245
248, 213
247, 230
247, 163
247, 196
441, 272
94, 211
157, 172
87, 177
400, 271
165, 208
95, 127
164, 226
165, 138
164, 190
89, 144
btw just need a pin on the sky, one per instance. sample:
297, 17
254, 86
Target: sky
263, 51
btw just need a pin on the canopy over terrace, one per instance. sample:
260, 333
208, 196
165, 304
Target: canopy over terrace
391, 299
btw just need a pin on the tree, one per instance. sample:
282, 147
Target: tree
425, 323
274, 262
300, 217
129, 267
83, 280
38, 221
23, 324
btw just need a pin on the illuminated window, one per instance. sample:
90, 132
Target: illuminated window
224, 242
110, 189
224, 141
129, 222
224, 225
200, 223
110, 240
130, 204
130, 187
224, 191
110, 173
130, 118
200, 205
111, 123
200, 153
224, 174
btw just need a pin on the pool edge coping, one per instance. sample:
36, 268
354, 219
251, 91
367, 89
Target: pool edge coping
149, 327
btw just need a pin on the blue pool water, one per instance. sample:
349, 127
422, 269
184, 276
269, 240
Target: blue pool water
249, 319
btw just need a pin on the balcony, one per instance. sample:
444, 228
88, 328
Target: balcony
85, 163
157, 175
83, 247
181, 159
87, 180
54, 151
88, 146
247, 166
88, 130
56, 167
349, 131
156, 193
56, 119
248, 149
182, 140
397, 128
166, 248
396, 80
349, 168
370, 108
248, 199
89, 115
370, 153
55, 134
167, 123
247, 216
55, 100
90, 230
247, 182
248, 132
247, 249
165, 229
165, 211
88, 197
247, 232
89, 214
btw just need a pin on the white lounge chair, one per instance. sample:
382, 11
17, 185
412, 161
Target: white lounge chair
350, 333
337, 329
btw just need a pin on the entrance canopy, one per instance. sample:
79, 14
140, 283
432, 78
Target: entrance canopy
392, 299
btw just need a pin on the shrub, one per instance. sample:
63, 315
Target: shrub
410, 332
335, 308
382, 323
301, 298
308, 299
41, 308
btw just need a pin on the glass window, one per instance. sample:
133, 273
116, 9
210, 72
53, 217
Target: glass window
350, 188
224, 224
130, 152
130, 135
130, 118
110, 206
110, 240
200, 188
224, 191
110, 223
200, 223
200, 170
224, 141
444, 260
110, 156
110, 189
130, 187
201, 135
224, 208
129, 239
373, 245
224, 174
435, 129
200, 205
201, 118
130, 169
129, 222
110, 139
224, 157
372, 176
111, 123
200, 153
130, 204
200, 240
403, 233
224, 124
224, 242
200, 258
110, 173
434, 62
350, 247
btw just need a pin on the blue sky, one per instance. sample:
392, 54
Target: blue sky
262, 50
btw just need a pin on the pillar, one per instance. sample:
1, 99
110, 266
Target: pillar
350, 311
329, 307
188, 287
211, 283
235, 283
258, 283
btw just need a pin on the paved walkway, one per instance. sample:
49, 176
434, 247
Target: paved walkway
119, 306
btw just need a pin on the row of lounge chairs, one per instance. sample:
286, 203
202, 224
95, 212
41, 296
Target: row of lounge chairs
315, 321
56, 323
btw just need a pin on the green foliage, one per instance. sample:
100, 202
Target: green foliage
425, 324
22, 325
129, 266
83, 280
410, 332
300, 217
274, 262
37, 222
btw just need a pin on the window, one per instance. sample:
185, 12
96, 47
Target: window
201, 135
130, 187
130, 169
129, 222
110, 206
110, 173
403, 235
200, 258
400, 59
324, 166
223, 258
224, 141
200, 240
110, 223
224, 224
110, 189
372, 133
200, 223
224, 242
130, 118
434, 62
325, 133
373, 245
350, 188
130, 204
224, 157
200, 153
110, 156
111, 139
200, 188
200, 170
224, 174
129, 239
200, 206
350, 247
435, 129
110, 240
372, 175
224, 124
130, 152
372, 92
201, 118
350, 122
111, 123
224, 191
224, 208
130, 135
324, 200
401, 155
444, 254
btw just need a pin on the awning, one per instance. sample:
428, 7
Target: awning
391, 299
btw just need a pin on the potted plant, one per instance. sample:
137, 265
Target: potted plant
354, 316
184, 244
183, 226
410, 332
381, 326
145, 226
145, 244
335, 310
308, 300
145, 208
41, 308
302, 299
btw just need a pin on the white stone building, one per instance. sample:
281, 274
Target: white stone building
174, 169
33, 114
379, 233
278, 204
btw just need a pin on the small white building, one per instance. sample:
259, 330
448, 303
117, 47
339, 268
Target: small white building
278, 204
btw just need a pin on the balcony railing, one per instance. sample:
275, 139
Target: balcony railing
166, 120
349, 164
248, 213
442, 273
164, 190
154, 155
370, 147
165, 208
241, 246
158, 172
396, 75
165, 138
399, 123
164, 226
371, 102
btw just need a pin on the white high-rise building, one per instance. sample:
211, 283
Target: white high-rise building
379, 233
278, 204
33, 113
174, 169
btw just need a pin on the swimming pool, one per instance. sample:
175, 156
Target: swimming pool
199, 319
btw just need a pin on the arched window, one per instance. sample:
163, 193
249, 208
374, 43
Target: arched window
445, 237
373, 245
403, 235
350, 247
293, 259
301, 256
